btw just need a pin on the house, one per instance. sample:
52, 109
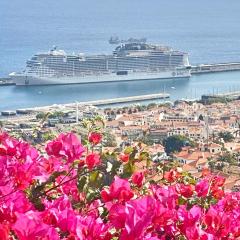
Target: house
158, 135
157, 152
213, 148
195, 157
178, 131
133, 132
113, 124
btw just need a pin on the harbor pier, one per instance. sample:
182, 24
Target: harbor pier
127, 99
104, 102
216, 67
227, 96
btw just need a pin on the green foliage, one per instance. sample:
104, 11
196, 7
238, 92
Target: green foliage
109, 139
165, 104
212, 100
151, 106
47, 136
211, 164
201, 118
175, 143
93, 124
141, 108
56, 114
40, 115
226, 136
228, 158
146, 140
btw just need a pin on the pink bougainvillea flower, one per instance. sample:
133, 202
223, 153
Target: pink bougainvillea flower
134, 218
95, 138
91, 228
202, 188
171, 176
29, 226
93, 160
185, 190
120, 190
138, 178
217, 192
117, 215
218, 181
67, 146
124, 157
156, 212
3, 151
206, 172
189, 221
4, 231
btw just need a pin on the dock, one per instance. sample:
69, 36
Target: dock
217, 67
229, 96
104, 102
127, 99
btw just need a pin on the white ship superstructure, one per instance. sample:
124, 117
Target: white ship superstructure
129, 62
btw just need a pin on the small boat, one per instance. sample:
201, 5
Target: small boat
114, 40
8, 113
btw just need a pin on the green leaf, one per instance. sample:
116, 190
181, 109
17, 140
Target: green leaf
81, 183
192, 181
91, 195
128, 150
93, 176
144, 156
181, 201
128, 169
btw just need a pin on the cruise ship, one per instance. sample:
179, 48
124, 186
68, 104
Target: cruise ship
129, 62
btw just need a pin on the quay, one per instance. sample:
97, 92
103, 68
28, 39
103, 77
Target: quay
229, 96
218, 67
95, 103
126, 99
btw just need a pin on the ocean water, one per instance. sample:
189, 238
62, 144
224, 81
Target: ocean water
13, 97
207, 30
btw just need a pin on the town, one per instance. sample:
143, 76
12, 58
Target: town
193, 134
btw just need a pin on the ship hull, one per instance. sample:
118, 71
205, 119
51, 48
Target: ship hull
27, 80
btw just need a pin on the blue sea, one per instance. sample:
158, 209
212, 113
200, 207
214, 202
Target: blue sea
207, 29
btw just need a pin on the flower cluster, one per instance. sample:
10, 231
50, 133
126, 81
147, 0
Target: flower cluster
76, 192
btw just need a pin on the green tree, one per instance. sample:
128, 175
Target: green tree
227, 157
201, 118
56, 114
175, 143
226, 136
40, 115
141, 108
211, 164
109, 139
146, 140
151, 106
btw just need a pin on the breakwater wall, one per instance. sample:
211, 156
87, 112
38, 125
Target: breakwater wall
217, 67
104, 102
